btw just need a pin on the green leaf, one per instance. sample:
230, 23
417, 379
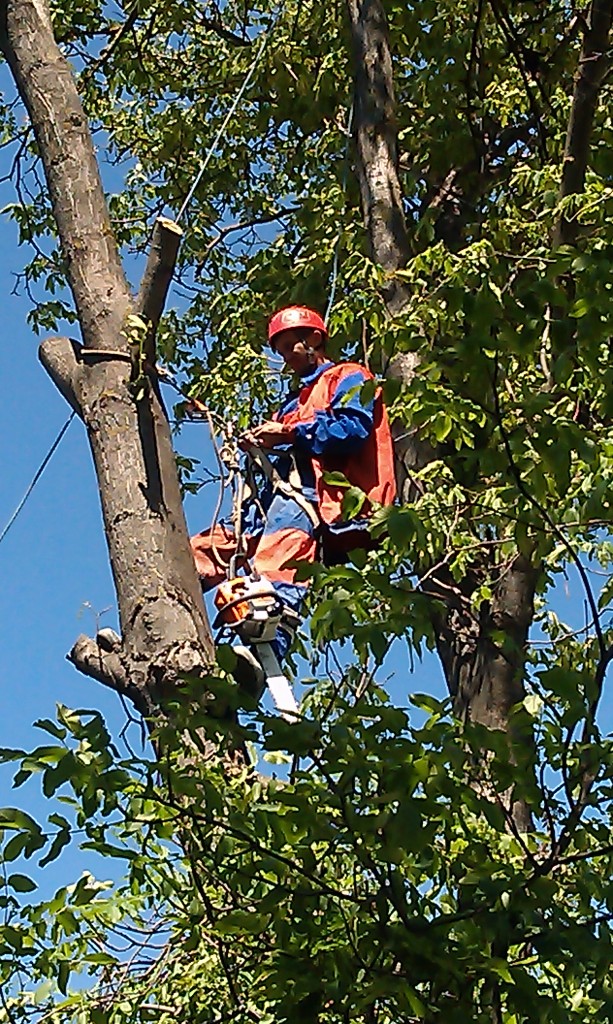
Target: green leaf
441, 428
51, 727
60, 840
62, 772
21, 883
15, 847
367, 392
226, 657
353, 502
428, 703
71, 719
22, 776
63, 976
13, 818
580, 308
239, 922
533, 704
336, 479
392, 388
501, 968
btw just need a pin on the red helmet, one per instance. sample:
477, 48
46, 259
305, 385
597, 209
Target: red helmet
293, 317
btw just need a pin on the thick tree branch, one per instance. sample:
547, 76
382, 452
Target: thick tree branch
376, 140
119, 33
485, 679
61, 358
454, 198
594, 63
505, 24
157, 277
162, 615
216, 25
106, 667
45, 83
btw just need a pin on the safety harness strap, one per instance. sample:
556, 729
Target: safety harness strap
286, 487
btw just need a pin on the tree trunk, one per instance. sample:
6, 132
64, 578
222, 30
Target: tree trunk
594, 62
484, 679
163, 621
377, 144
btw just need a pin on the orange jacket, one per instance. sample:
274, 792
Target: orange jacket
340, 433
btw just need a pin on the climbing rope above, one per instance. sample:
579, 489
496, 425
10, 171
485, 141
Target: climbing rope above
220, 134
37, 476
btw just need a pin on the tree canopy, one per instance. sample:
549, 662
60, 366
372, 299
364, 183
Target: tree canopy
437, 178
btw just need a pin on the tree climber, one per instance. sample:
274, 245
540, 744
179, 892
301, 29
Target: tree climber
321, 427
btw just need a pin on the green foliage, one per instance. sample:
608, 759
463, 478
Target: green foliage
379, 878
373, 877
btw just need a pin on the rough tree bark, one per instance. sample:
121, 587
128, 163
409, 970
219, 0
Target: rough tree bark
484, 680
593, 65
377, 145
594, 62
164, 626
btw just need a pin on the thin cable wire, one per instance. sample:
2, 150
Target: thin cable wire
338, 241
186, 202
220, 133
37, 476
225, 478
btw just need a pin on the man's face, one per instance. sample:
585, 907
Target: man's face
296, 349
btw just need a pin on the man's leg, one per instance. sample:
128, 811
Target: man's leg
288, 536
212, 550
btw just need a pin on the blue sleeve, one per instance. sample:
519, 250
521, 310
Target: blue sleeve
343, 427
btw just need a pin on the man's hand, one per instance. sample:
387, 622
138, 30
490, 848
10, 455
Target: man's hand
267, 435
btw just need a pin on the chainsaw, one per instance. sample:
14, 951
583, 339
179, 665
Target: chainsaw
249, 607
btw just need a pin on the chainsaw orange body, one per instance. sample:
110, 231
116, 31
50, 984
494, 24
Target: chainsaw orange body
244, 598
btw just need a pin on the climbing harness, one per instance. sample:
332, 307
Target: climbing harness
290, 488
248, 607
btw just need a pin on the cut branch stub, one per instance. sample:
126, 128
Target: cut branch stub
61, 358
157, 277
106, 667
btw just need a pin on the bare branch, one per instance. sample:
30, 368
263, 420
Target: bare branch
106, 667
505, 23
242, 225
483, 169
216, 25
114, 42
